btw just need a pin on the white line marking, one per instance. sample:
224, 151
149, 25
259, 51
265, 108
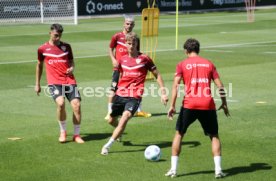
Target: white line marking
81, 57
32, 86
239, 44
162, 50
223, 51
270, 52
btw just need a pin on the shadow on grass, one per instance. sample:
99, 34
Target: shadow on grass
160, 114
163, 144
95, 136
253, 167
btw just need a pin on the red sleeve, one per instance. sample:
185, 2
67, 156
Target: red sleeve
113, 42
179, 70
40, 56
150, 65
215, 74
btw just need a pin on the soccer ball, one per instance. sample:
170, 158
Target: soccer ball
152, 153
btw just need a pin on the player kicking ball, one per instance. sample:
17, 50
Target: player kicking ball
59, 62
133, 68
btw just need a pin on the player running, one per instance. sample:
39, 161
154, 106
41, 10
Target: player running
134, 68
117, 49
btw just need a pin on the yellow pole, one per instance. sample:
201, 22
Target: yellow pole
176, 26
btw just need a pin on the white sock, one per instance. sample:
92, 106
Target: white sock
217, 161
174, 162
109, 107
139, 108
62, 125
109, 143
76, 129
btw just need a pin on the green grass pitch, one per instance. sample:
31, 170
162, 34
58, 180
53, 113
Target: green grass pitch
244, 54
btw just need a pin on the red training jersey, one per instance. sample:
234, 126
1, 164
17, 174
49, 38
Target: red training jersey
133, 75
197, 74
57, 59
118, 41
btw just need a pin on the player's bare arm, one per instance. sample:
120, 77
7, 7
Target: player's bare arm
39, 69
70, 70
159, 79
175, 86
222, 96
112, 57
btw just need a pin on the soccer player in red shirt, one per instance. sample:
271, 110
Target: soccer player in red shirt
117, 49
198, 103
59, 62
133, 68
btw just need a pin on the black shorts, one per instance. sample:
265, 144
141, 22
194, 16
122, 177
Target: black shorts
207, 119
115, 80
69, 91
121, 104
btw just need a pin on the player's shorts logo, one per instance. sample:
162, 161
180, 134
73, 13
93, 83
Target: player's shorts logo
56, 92
130, 109
114, 84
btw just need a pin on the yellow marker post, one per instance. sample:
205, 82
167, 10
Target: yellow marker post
149, 33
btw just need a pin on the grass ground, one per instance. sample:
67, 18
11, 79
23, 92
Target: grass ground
244, 54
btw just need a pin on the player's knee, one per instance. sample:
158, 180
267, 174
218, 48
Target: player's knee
60, 103
75, 104
127, 114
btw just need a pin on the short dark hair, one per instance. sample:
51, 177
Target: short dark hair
57, 27
192, 45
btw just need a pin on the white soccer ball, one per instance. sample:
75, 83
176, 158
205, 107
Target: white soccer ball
152, 153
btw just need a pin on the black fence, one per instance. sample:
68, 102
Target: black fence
103, 7
21, 8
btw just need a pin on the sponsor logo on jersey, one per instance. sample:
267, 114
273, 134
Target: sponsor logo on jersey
63, 48
138, 60
48, 49
199, 80
56, 61
190, 66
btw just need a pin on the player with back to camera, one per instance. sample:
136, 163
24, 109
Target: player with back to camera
58, 59
117, 49
198, 103
134, 68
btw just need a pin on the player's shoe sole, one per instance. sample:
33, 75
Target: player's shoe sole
62, 137
104, 151
171, 173
78, 139
220, 175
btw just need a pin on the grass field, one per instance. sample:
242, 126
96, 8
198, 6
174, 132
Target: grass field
244, 54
